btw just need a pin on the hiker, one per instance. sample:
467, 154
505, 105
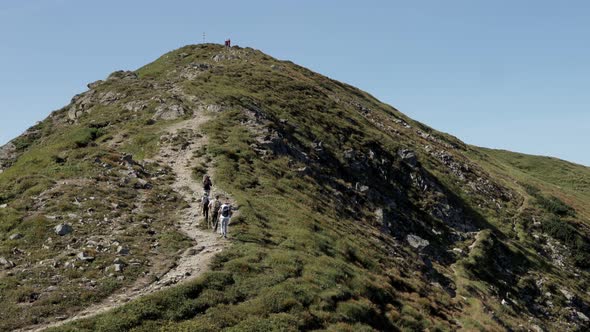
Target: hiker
214, 206
224, 217
207, 183
205, 206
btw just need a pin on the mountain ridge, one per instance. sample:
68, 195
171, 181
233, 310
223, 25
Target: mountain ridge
352, 215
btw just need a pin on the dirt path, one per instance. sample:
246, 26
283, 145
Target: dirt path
193, 261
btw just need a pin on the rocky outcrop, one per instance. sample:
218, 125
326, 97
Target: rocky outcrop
194, 70
122, 75
169, 112
7, 155
84, 102
409, 157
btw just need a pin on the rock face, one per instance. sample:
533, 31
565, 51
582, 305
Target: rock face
409, 157
63, 229
7, 154
85, 102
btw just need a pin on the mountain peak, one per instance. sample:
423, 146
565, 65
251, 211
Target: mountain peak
347, 214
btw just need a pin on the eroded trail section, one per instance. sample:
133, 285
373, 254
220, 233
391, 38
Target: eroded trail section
195, 260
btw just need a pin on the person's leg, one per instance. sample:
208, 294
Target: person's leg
225, 222
215, 221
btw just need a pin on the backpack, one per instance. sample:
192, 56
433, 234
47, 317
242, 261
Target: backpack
205, 201
216, 205
225, 210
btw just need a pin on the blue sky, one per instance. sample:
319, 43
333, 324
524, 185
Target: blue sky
502, 74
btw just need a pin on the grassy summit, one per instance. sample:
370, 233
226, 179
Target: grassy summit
351, 215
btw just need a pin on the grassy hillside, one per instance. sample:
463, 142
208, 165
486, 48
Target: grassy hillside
569, 180
351, 215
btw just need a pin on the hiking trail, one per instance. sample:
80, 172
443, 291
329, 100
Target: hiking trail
192, 262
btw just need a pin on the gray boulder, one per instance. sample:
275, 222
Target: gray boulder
16, 236
123, 251
417, 242
6, 263
63, 229
83, 256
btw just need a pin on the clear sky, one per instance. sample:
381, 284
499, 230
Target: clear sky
502, 74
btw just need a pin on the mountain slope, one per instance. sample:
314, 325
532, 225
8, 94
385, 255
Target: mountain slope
351, 215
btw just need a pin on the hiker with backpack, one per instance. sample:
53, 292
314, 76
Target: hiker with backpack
224, 217
207, 183
205, 206
214, 206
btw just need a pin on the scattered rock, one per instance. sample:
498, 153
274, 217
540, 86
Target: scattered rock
361, 188
123, 251
3, 206
568, 295
63, 229
16, 236
417, 242
6, 263
223, 57
83, 256
118, 267
135, 106
214, 108
142, 184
